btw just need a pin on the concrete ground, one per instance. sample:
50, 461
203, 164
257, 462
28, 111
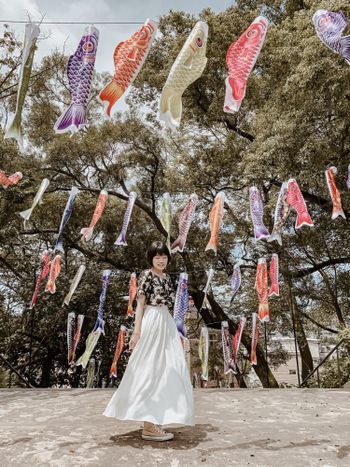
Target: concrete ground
255, 427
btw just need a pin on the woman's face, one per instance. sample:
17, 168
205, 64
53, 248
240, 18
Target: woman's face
160, 261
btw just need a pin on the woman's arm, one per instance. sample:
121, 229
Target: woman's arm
138, 320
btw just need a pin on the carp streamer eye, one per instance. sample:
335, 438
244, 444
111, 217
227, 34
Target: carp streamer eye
199, 42
252, 33
88, 46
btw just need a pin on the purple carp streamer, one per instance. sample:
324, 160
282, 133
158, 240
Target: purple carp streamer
235, 280
65, 217
227, 350
329, 27
80, 70
282, 211
185, 220
257, 214
121, 240
98, 329
181, 304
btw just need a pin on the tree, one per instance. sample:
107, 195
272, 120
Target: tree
292, 123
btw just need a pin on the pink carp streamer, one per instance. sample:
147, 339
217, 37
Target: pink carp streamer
118, 351
185, 220
54, 273
229, 366
44, 271
274, 271
100, 205
215, 219
74, 325
236, 340
296, 200
261, 287
335, 193
255, 339
13, 179
132, 293
240, 59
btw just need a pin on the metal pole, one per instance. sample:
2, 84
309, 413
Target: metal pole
293, 321
338, 365
267, 365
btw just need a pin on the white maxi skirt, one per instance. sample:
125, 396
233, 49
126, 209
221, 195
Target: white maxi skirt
156, 385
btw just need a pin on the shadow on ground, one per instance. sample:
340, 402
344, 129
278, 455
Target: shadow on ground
184, 438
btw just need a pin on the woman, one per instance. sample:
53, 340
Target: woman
156, 386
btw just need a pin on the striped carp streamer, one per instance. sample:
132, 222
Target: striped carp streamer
235, 280
90, 377
215, 219
54, 273
181, 304
335, 193
257, 214
80, 71
296, 200
329, 27
203, 352
236, 340
129, 57
240, 59
118, 351
274, 271
210, 275
282, 211
13, 179
187, 68
226, 348
37, 200
74, 325
121, 240
255, 339
166, 217
98, 329
44, 271
132, 293
100, 205
31, 35
65, 217
185, 220
261, 287
74, 284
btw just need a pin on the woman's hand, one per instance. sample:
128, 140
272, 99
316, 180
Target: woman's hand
134, 340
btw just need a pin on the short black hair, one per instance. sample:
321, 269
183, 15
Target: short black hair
157, 248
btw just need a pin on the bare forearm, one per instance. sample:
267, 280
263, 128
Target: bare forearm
139, 314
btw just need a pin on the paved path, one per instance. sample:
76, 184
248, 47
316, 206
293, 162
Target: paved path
250, 427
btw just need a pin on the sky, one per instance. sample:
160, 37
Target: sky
68, 36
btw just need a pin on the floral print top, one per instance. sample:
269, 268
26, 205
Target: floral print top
158, 290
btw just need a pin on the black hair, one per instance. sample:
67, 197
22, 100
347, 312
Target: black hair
157, 248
